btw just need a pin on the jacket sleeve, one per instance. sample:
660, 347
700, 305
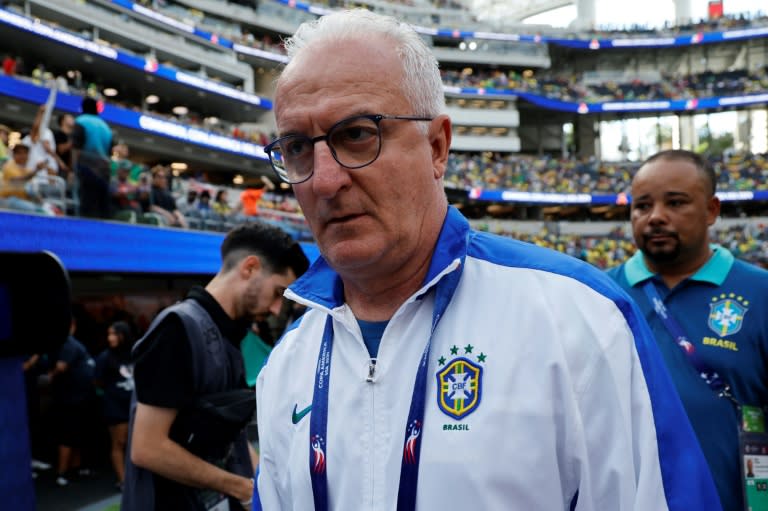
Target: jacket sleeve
266, 495
642, 452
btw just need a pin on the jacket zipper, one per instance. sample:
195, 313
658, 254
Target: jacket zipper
371, 379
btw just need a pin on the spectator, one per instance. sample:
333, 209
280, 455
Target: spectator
114, 376
249, 201
221, 203
188, 202
5, 132
121, 158
204, 202
63, 137
160, 200
92, 140
9, 65
42, 146
126, 196
15, 178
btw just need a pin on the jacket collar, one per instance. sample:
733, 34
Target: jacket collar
321, 285
714, 271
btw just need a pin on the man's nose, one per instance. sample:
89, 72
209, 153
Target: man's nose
658, 214
328, 175
276, 305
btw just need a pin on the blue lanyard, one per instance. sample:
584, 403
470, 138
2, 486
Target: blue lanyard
674, 328
318, 422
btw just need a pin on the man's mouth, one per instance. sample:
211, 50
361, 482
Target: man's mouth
340, 219
660, 236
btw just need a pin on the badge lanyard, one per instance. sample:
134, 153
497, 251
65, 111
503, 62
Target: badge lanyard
318, 421
674, 328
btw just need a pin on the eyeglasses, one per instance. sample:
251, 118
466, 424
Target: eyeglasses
354, 143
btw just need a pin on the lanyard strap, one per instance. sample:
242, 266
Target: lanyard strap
318, 420
674, 328
318, 423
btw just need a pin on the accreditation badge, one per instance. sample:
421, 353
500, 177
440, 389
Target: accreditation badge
753, 444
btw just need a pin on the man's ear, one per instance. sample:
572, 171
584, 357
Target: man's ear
713, 209
440, 141
248, 265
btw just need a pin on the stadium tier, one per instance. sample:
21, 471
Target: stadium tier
187, 85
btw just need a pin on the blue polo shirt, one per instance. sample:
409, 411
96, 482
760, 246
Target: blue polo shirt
723, 309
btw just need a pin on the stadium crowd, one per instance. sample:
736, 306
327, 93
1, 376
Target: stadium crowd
748, 242
736, 172
566, 87
570, 87
73, 81
137, 190
146, 195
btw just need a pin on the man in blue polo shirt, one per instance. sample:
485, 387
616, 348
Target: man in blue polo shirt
707, 310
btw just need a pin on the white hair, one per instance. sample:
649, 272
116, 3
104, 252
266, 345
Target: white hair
421, 86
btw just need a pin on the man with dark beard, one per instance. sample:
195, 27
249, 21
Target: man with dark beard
707, 309
192, 350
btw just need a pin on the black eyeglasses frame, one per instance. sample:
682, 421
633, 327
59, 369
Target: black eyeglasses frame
375, 118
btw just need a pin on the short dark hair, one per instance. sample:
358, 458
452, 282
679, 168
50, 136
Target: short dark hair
89, 106
124, 330
159, 170
276, 249
696, 159
62, 117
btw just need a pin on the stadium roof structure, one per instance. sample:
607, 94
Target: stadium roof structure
513, 10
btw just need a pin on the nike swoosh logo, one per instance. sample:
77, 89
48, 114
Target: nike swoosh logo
297, 416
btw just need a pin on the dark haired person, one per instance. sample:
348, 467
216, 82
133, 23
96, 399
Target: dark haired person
63, 137
92, 142
708, 311
160, 201
190, 350
72, 399
114, 376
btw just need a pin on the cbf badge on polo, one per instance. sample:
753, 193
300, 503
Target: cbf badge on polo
726, 317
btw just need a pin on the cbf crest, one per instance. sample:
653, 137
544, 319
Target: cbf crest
460, 382
726, 313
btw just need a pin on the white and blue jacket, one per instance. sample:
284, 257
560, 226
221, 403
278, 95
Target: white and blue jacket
565, 401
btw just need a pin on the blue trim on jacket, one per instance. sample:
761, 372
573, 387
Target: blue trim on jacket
674, 434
